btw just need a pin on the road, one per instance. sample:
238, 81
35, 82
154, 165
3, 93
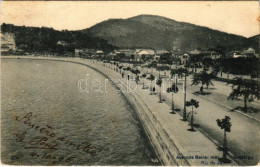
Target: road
244, 138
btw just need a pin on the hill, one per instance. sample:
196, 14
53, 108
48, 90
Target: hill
255, 38
149, 31
36, 39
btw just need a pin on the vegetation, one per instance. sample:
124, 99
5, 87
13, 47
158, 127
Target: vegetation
179, 72
203, 78
246, 89
207, 63
226, 125
143, 76
162, 68
152, 65
135, 71
192, 103
151, 78
166, 58
136, 32
174, 88
159, 83
237, 66
34, 39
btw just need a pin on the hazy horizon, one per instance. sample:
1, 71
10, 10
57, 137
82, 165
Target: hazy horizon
239, 18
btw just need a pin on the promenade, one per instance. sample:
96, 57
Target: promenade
196, 148
244, 136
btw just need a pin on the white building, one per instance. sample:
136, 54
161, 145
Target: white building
7, 42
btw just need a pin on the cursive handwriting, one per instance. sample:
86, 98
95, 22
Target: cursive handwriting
26, 119
51, 156
48, 139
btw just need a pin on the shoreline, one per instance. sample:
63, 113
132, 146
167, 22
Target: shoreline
153, 156
166, 144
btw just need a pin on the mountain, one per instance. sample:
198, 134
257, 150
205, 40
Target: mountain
149, 31
255, 38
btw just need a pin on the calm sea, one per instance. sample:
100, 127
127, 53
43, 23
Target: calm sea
46, 120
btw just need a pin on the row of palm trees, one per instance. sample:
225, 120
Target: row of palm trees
247, 89
205, 79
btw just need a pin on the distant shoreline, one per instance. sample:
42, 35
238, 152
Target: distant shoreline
132, 105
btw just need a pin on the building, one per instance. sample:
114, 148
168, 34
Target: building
195, 52
113, 55
250, 52
144, 54
236, 54
182, 56
63, 43
211, 54
85, 53
7, 43
158, 54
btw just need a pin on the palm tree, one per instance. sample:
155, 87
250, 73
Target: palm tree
120, 67
203, 78
226, 125
248, 89
143, 75
173, 89
192, 103
179, 71
151, 78
159, 83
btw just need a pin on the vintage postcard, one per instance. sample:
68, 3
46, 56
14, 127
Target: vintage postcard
130, 83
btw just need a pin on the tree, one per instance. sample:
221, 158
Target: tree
179, 71
226, 125
121, 56
237, 66
192, 103
159, 83
248, 89
120, 68
45, 39
204, 78
152, 65
151, 78
166, 58
194, 59
137, 79
207, 63
174, 88
143, 75
137, 72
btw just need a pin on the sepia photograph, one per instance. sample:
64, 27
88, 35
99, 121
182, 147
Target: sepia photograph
130, 83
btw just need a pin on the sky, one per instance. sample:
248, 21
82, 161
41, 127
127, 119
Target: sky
241, 18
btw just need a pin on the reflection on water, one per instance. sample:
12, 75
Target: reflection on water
47, 121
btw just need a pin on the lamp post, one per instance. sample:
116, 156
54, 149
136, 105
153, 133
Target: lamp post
185, 87
172, 104
173, 89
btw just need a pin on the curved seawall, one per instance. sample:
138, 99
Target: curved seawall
165, 149
49, 90
173, 144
